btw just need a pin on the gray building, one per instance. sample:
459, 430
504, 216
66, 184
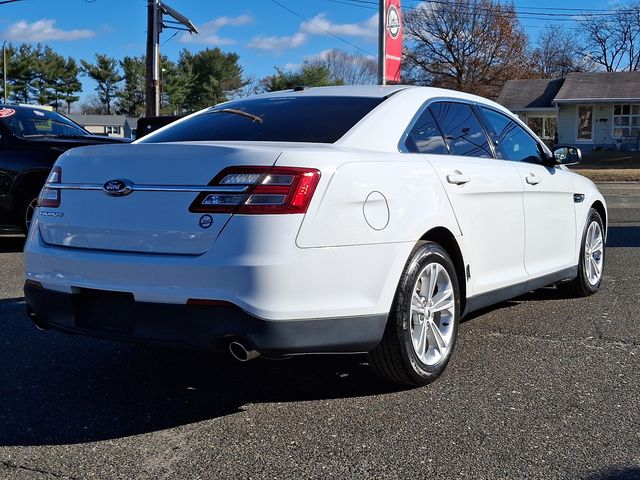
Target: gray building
109, 125
586, 109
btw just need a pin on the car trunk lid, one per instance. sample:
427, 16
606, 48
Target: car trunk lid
154, 216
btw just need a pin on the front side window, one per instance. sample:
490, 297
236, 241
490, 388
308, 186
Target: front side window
513, 142
585, 123
425, 136
320, 119
461, 129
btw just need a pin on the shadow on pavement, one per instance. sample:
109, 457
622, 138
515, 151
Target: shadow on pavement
623, 237
59, 389
11, 243
616, 473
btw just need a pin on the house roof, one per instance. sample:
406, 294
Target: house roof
534, 94
98, 120
600, 87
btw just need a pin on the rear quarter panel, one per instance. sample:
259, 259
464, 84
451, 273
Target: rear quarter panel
372, 198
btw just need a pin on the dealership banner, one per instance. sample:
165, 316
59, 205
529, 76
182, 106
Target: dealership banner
392, 41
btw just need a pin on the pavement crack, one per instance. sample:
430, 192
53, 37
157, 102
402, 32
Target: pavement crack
600, 339
13, 466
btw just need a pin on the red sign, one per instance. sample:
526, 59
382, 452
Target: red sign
392, 41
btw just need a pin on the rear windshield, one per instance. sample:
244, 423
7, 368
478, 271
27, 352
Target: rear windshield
28, 122
281, 119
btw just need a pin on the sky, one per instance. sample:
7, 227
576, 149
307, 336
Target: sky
264, 33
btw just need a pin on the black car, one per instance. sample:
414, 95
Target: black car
31, 139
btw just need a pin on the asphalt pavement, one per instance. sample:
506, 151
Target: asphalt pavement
540, 387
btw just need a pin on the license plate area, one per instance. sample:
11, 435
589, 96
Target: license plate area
104, 311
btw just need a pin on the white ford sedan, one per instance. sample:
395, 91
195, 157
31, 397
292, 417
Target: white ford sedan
338, 219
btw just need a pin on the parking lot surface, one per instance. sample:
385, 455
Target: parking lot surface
539, 387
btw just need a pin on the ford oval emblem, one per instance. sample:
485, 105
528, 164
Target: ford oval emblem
118, 187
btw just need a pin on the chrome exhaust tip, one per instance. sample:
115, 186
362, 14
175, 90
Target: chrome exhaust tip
39, 324
240, 352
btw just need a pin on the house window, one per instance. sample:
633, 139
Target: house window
543, 127
112, 130
626, 121
585, 123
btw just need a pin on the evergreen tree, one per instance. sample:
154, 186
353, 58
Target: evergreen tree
70, 85
21, 64
214, 75
131, 96
309, 76
105, 73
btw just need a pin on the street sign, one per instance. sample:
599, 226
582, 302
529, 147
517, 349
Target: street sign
390, 41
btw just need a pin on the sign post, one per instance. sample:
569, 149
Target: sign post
389, 42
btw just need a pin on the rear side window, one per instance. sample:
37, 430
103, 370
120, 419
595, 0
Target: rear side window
513, 141
321, 119
425, 136
462, 129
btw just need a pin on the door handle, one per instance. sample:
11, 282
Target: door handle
458, 178
533, 180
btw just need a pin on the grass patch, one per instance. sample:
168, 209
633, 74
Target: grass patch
610, 175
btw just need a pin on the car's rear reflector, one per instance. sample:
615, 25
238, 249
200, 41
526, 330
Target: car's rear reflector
274, 190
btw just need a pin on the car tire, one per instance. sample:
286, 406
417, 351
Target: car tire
421, 331
26, 210
591, 260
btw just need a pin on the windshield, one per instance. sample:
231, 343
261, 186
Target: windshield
26, 122
321, 119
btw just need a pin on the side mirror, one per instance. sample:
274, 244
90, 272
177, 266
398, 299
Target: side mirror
564, 155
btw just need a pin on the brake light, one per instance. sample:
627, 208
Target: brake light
51, 197
267, 190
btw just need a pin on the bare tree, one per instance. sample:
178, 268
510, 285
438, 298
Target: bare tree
346, 68
557, 53
614, 40
468, 45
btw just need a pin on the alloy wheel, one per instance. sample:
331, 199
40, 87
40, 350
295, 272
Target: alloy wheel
432, 314
594, 253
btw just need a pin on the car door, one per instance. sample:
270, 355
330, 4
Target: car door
549, 212
485, 193
5, 179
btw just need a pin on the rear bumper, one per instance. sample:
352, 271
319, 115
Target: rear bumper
203, 327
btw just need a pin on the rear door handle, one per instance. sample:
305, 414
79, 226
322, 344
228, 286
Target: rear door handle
458, 179
533, 180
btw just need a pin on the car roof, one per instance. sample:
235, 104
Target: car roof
373, 91
22, 106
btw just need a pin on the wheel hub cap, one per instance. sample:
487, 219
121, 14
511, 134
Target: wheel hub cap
594, 249
432, 314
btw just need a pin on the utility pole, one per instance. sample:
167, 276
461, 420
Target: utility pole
381, 41
156, 9
4, 71
152, 91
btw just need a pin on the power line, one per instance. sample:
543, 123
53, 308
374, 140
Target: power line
579, 15
533, 13
323, 29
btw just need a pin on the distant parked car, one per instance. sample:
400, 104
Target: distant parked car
31, 139
338, 219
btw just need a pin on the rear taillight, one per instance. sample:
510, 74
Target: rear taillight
267, 190
50, 197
